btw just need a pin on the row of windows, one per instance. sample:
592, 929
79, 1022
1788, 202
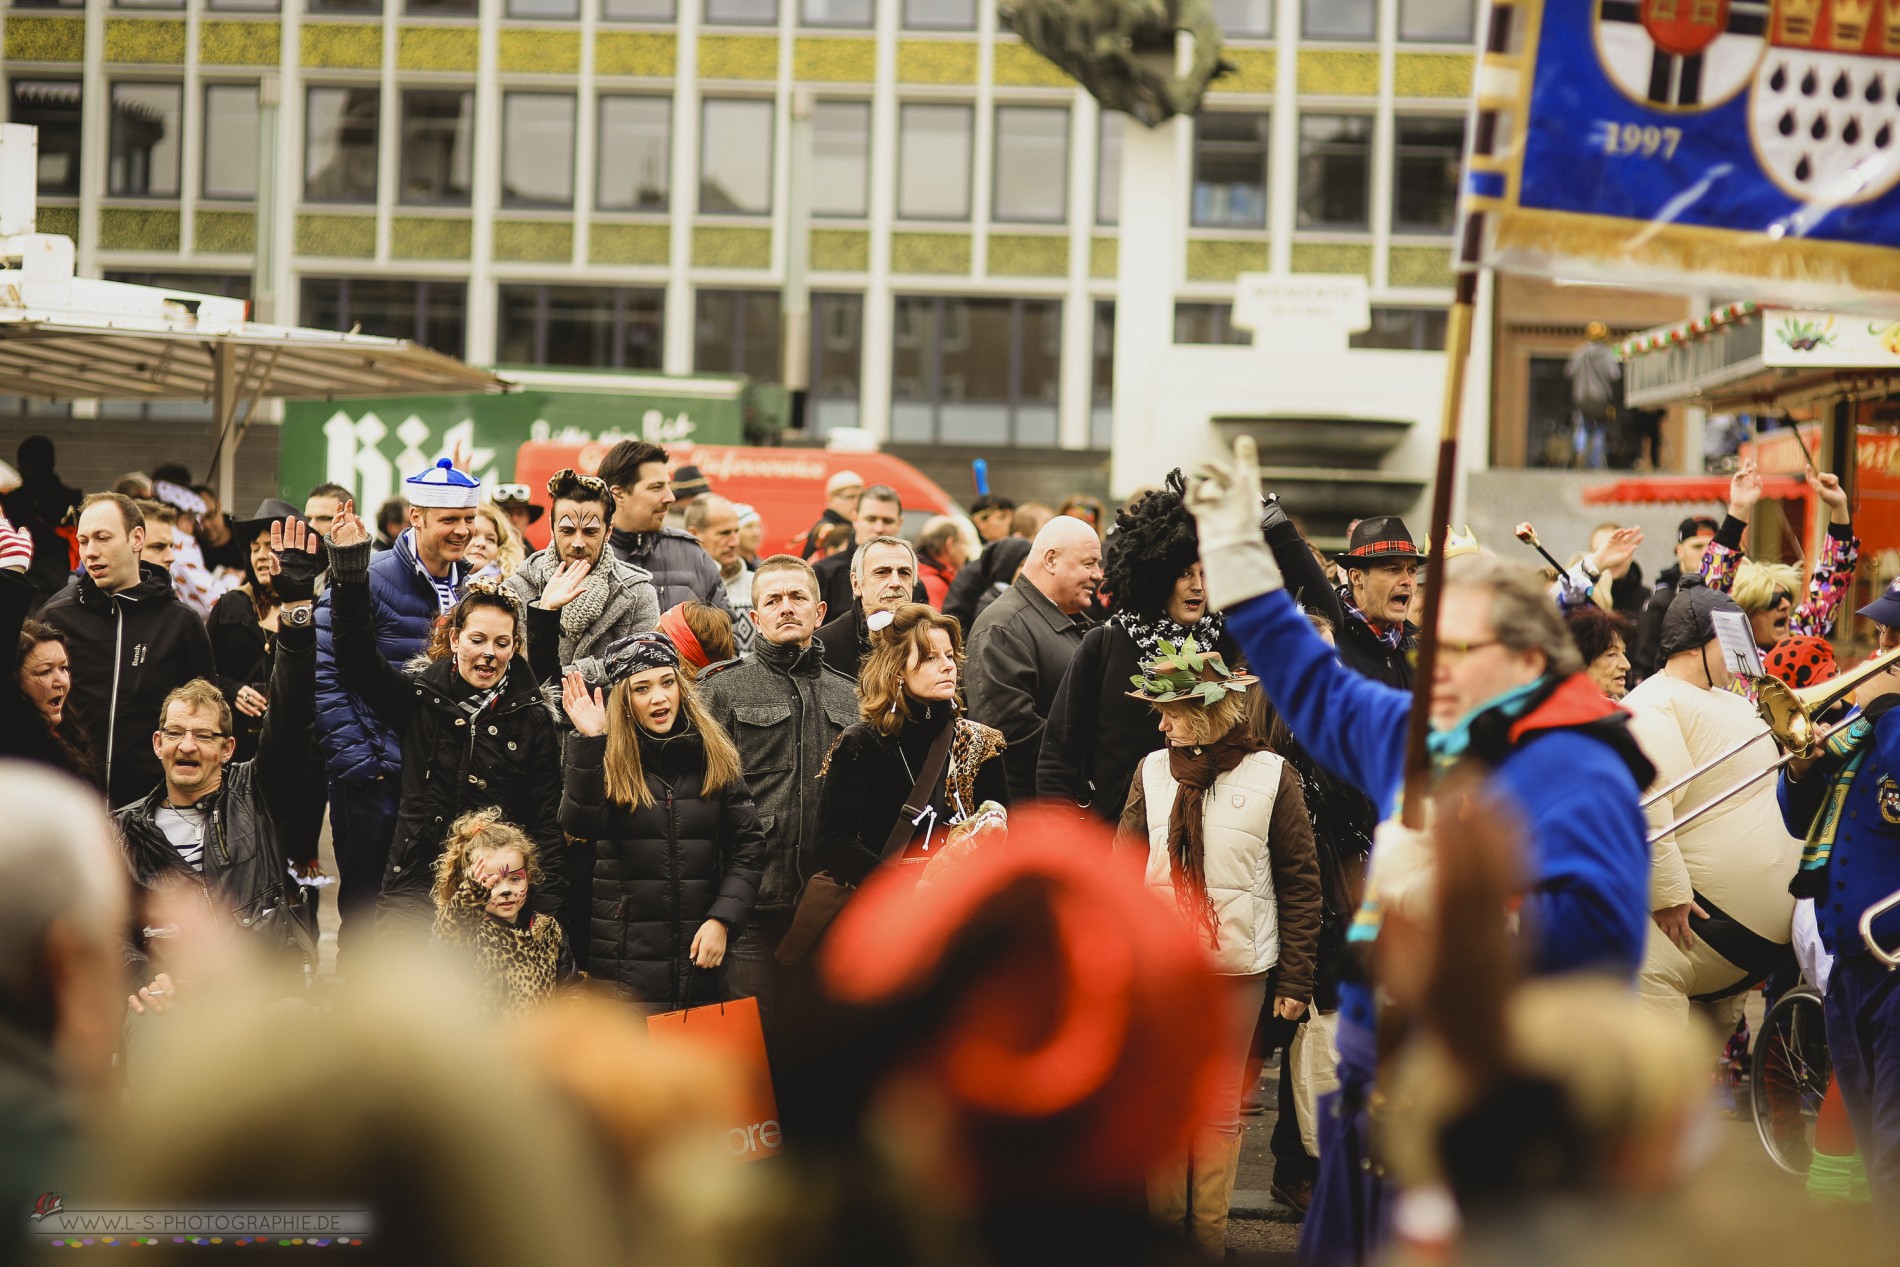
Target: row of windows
1435, 21
936, 148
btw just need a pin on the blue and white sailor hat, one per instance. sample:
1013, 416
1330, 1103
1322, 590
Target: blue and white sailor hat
442, 487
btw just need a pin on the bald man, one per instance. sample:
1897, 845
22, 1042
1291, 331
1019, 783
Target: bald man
1021, 646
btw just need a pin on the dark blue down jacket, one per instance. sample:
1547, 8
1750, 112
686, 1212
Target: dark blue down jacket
356, 743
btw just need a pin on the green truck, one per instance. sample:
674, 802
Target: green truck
371, 445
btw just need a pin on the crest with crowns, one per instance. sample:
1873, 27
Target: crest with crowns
1681, 55
1825, 114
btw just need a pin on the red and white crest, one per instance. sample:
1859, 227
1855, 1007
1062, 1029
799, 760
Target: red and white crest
1684, 55
1825, 113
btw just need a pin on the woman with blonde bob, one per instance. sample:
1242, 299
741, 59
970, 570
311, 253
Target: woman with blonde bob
907, 692
652, 778
1223, 824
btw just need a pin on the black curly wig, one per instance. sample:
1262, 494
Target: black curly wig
1153, 543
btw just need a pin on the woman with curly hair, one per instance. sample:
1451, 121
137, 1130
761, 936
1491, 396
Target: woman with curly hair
482, 882
907, 698
474, 728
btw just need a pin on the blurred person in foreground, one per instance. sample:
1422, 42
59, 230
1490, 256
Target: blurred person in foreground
1510, 698
63, 913
987, 1071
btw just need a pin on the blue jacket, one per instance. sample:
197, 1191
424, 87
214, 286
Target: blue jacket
357, 745
1571, 782
1864, 866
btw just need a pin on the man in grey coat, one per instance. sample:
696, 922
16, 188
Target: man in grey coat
580, 598
680, 567
1021, 647
783, 708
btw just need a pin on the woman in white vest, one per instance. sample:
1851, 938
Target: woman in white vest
1229, 845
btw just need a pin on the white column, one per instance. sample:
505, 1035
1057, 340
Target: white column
678, 342
1078, 309
388, 139
874, 359
1283, 152
485, 190
1152, 216
95, 116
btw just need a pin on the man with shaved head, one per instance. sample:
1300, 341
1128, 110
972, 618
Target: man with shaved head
1021, 646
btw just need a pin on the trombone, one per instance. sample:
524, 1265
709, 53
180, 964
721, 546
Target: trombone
1789, 713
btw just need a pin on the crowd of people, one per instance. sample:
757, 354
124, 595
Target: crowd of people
1033, 837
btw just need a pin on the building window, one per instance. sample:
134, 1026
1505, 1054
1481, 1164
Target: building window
606, 327
51, 105
737, 332
742, 12
339, 154
440, 8
146, 120
1230, 170
1338, 19
230, 141
1111, 124
837, 352
1404, 330
1032, 164
735, 157
346, 6
975, 371
841, 159
637, 10
148, 4
1438, 21
1208, 323
431, 313
836, 12
1427, 155
438, 146
1102, 378
1335, 172
1245, 19
633, 156
940, 15
545, 10
537, 149
933, 162
244, 6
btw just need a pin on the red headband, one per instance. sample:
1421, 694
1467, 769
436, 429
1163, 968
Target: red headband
673, 625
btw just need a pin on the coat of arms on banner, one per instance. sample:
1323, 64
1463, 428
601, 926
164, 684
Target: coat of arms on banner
1683, 143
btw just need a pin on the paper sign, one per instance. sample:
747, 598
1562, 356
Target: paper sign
1738, 644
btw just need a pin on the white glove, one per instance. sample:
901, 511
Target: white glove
1225, 501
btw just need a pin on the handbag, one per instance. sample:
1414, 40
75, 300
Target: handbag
824, 894
752, 1131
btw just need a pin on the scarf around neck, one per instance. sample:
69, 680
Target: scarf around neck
1448, 746
1392, 635
1148, 632
1195, 768
581, 611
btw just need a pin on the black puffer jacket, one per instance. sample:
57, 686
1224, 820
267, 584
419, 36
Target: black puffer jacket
663, 870
129, 651
245, 862
508, 756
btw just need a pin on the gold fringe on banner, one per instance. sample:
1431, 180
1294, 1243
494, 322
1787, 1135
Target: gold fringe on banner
1720, 253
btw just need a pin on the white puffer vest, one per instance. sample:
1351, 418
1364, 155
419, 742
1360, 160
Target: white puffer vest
1239, 809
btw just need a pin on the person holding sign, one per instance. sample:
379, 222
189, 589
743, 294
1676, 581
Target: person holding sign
1719, 898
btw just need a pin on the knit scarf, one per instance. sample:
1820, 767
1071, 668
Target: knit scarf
1849, 742
1149, 631
1390, 634
582, 610
1194, 769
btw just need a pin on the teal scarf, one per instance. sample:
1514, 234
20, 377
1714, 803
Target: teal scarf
1448, 746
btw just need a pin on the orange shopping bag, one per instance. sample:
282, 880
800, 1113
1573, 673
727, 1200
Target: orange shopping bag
732, 1028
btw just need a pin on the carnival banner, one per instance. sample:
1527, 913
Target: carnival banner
1688, 144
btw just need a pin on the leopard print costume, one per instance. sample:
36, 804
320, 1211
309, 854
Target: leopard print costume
519, 964
971, 745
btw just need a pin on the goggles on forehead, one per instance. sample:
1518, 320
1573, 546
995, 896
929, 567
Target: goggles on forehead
512, 493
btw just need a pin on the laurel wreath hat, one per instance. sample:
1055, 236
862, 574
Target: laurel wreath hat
1185, 673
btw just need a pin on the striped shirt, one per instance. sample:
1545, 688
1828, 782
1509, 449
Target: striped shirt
185, 828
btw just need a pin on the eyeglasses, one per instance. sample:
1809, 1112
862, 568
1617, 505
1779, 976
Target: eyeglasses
1448, 647
512, 493
207, 737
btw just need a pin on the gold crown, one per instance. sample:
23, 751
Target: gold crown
1458, 543
1890, 26
1795, 20
1850, 22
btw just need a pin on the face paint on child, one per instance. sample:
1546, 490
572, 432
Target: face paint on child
504, 873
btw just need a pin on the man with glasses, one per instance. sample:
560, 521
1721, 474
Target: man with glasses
222, 823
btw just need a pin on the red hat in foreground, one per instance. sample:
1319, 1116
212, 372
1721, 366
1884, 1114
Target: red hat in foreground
1080, 1040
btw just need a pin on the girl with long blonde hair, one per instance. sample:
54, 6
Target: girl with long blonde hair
654, 780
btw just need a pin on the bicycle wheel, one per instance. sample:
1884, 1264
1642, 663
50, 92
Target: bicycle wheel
1788, 1077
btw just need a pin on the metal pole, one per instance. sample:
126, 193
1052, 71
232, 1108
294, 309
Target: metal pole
224, 416
795, 306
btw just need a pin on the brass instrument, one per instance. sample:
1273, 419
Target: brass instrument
1789, 714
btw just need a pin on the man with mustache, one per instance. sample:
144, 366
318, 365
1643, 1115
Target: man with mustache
581, 598
783, 706
883, 578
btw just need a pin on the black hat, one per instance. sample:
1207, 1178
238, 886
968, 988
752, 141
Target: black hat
1695, 526
269, 511
1689, 623
636, 653
1381, 539
688, 482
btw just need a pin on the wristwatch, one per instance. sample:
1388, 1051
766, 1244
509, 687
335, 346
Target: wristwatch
298, 617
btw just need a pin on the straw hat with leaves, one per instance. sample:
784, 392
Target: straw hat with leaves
1185, 674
